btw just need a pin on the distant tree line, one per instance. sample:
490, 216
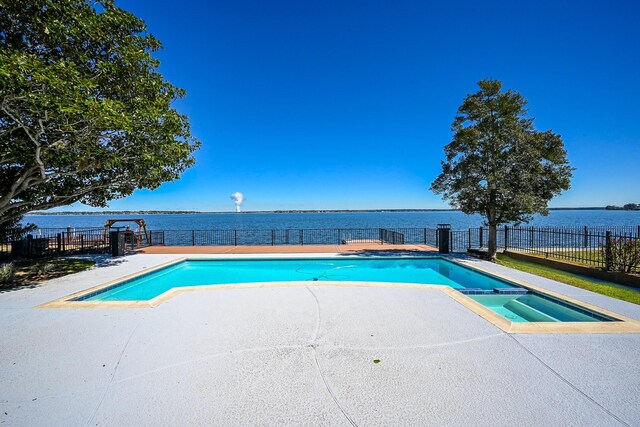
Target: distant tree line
627, 207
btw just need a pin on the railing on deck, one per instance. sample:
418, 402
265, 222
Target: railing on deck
294, 236
595, 246
43, 242
54, 241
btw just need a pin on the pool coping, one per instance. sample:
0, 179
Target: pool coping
622, 324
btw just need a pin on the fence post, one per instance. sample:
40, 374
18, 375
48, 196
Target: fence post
444, 238
532, 237
82, 242
235, 237
480, 232
607, 251
506, 237
301, 237
59, 242
193, 237
425, 236
469, 241
339, 242
273, 237
586, 237
63, 244
29, 244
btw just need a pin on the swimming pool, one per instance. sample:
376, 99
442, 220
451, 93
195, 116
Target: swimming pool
513, 302
432, 271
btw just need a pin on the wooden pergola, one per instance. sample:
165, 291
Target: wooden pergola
141, 235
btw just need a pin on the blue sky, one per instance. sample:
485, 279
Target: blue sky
348, 104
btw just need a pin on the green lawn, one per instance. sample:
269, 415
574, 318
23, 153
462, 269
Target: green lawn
580, 256
605, 288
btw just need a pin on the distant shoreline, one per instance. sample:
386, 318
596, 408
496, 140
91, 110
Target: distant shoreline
294, 211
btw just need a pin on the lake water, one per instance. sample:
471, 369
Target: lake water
227, 221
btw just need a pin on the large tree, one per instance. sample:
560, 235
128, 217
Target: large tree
84, 113
497, 164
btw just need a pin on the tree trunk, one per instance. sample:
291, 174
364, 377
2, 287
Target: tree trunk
493, 242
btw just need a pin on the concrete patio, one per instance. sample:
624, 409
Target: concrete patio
303, 355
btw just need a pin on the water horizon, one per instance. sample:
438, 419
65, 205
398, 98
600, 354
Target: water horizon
334, 219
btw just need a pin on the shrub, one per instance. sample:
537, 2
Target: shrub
622, 255
42, 269
7, 274
14, 230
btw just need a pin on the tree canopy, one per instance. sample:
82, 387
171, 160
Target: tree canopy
85, 114
497, 164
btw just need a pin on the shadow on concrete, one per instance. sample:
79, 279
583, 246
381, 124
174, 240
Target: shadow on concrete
103, 260
31, 281
10, 287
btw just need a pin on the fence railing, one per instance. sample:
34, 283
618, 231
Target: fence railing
597, 246
599, 249
64, 241
458, 241
609, 249
294, 236
54, 241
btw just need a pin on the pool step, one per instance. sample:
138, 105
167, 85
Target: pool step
499, 291
474, 291
527, 312
510, 291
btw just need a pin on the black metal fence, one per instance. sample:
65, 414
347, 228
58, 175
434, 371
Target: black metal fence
545, 236
611, 248
291, 236
54, 241
604, 247
459, 241
43, 242
67, 241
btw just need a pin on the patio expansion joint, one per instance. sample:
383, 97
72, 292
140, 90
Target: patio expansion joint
569, 383
423, 347
209, 357
313, 346
113, 374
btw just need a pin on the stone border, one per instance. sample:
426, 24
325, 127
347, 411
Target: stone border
622, 325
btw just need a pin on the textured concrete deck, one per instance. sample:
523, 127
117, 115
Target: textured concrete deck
303, 355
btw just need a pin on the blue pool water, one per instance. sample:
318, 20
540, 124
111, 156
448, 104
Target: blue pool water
509, 300
433, 271
533, 307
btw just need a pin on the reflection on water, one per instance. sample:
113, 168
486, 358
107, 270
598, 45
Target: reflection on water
445, 269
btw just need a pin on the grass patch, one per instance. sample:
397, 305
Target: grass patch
582, 256
594, 285
35, 271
